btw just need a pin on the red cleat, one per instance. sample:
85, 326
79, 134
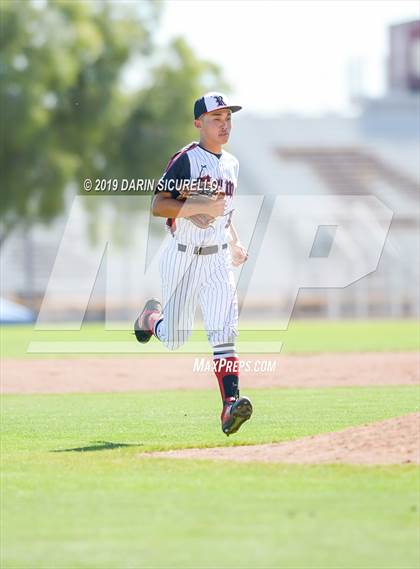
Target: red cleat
143, 330
235, 413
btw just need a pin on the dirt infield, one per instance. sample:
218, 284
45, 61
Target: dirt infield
97, 374
394, 441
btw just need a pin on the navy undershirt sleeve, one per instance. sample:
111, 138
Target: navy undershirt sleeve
179, 170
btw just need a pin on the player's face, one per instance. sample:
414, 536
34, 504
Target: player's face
216, 126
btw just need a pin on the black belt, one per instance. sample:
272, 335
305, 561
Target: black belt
209, 250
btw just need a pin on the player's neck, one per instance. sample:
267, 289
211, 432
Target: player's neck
211, 147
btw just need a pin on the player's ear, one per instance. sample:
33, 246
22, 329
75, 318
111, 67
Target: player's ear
197, 123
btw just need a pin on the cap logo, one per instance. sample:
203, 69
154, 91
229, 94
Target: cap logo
219, 100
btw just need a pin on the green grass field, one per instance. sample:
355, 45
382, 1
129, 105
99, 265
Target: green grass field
77, 493
301, 336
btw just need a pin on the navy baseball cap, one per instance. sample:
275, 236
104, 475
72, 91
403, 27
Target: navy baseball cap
212, 101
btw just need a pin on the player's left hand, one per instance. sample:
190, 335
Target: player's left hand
239, 254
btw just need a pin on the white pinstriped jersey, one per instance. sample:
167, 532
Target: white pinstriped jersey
193, 162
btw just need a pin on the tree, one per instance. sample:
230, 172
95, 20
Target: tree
64, 114
59, 94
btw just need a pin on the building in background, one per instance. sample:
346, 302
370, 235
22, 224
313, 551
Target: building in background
376, 153
404, 58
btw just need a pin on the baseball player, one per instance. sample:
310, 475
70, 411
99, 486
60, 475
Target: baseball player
195, 195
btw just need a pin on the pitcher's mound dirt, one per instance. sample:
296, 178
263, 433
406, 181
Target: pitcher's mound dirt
394, 441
